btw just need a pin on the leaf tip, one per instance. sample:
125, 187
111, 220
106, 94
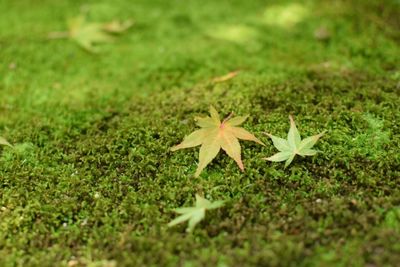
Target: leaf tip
174, 148
241, 166
261, 143
267, 159
197, 173
268, 134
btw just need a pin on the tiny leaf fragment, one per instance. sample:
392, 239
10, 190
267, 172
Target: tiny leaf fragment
226, 77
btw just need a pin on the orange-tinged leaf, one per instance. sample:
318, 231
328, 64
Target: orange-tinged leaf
230, 144
226, 77
215, 135
208, 151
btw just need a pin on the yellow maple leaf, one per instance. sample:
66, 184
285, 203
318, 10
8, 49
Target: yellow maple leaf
215, 135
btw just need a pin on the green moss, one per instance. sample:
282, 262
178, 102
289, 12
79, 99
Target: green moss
91, 179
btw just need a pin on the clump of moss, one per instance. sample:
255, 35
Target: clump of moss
92, 182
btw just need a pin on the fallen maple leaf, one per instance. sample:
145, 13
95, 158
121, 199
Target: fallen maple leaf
87, 34
293, 146
215, 135
4, 142
226, 77
195, 214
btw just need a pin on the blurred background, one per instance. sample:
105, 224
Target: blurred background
182, 43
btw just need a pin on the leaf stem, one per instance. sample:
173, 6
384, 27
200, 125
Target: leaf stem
227, 118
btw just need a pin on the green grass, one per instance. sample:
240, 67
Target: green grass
91, 180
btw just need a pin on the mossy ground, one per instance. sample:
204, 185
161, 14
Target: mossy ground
91, 180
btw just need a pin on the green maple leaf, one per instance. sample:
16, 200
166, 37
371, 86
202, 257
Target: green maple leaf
293, 146
195, 214
4, 142
216, 134
88, 34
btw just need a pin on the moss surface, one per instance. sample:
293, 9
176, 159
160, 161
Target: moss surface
91, 180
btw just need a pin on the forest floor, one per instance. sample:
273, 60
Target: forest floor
91, 180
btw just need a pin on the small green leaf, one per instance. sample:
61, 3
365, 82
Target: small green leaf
195, 214
88, 34
293, 145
